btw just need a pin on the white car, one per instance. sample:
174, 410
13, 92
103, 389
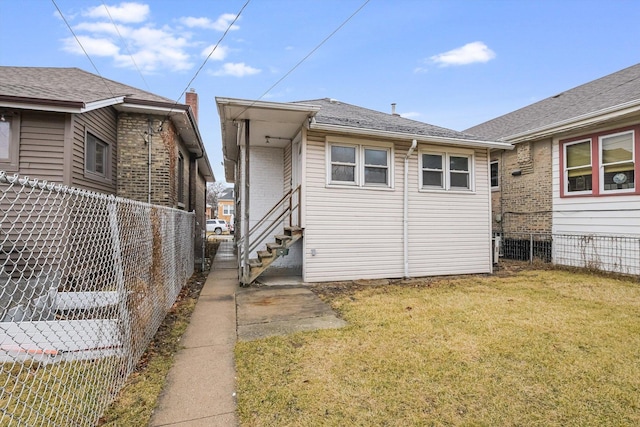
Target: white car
217, 226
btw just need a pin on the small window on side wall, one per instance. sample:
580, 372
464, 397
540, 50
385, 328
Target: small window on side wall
180, 179
495, 174
96, 156
9, 141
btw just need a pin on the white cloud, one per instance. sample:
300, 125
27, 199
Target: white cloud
467, 54
236, 70
420, 70
125, 12
135, 41
221, 24
219, 54
93, 46
411, 115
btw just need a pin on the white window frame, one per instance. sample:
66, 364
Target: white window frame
106, 176
446, 170
497, 163
601, 164
227, 210
359, 172
330, 164
566, 169
11, 162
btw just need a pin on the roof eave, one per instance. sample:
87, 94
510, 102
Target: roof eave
410, 136
577, 122
58, 106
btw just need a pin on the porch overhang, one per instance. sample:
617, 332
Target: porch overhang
272, 124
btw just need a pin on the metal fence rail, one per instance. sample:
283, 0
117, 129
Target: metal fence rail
85, 281
618, 254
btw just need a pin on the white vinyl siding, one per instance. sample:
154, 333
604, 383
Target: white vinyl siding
358, 234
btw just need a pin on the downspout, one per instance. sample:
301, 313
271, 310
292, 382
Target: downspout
405, 219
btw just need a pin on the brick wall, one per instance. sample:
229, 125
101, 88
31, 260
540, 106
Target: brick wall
523, 202
133, 172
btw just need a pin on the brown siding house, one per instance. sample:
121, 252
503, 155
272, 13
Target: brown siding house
71, 127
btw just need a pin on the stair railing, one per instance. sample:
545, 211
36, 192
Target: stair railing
290, 206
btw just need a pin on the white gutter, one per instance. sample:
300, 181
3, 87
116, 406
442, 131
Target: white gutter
405, 219
577, 122
62, 108
408, 136
235, 102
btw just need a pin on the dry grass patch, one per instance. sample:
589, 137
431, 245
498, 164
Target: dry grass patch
533, 348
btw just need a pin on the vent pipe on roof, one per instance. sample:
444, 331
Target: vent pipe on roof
393, 109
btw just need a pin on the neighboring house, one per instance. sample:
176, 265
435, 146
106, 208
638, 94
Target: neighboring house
341, 192
575, 163
226, 206
71, 127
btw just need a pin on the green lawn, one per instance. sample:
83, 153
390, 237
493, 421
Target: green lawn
548, 348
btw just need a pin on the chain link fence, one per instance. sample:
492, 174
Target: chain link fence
85, 281
617, 254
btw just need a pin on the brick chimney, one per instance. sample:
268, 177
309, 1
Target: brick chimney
191, 99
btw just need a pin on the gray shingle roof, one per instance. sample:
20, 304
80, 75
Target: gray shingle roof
615, 89
65, 85
334, 112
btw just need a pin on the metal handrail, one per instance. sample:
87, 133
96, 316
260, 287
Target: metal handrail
267, 231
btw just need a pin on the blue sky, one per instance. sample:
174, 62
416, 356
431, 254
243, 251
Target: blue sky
449, 63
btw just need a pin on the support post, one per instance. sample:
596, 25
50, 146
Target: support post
245, 232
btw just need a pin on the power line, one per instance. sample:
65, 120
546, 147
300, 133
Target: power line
214, 49
304, 59
126, 46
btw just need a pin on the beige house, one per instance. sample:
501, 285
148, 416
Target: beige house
71, 127
333, 191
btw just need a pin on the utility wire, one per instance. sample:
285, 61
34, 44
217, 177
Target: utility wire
177, 101
82, 47
303, 59
214, 48
126, 46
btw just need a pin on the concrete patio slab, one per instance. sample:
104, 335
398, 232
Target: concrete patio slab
281, 310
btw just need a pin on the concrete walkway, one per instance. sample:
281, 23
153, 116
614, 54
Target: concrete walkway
200, 388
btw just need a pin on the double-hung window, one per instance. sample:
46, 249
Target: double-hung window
343, 164
494, 167
9, 141
598, 164
578, 166
446, 171
359, 165
96, 156
617, 162
227, 210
